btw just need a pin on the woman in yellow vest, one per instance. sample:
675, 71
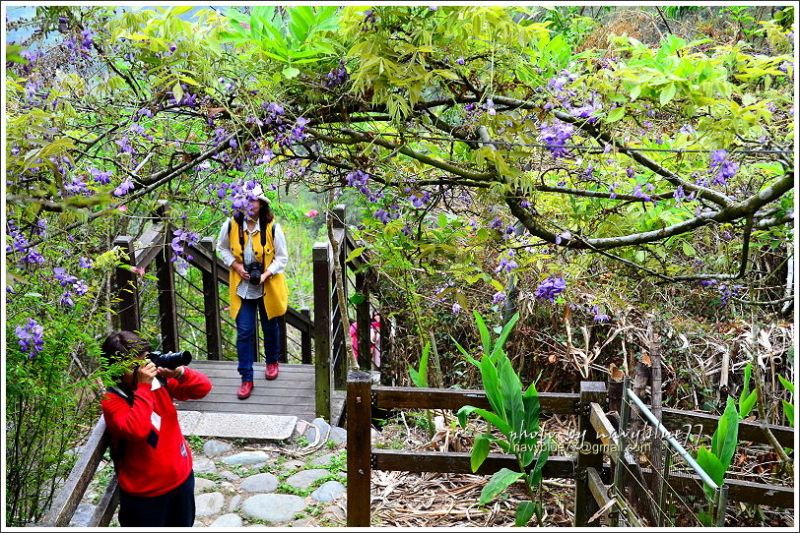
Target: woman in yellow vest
253, 246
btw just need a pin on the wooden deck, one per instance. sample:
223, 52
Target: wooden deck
291, 394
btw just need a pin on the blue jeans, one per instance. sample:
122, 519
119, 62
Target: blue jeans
246, 348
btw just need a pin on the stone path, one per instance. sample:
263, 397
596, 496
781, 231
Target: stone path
299, 482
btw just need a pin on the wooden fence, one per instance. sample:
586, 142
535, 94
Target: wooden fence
589, 469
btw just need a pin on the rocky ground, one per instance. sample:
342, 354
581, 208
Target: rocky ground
300, 482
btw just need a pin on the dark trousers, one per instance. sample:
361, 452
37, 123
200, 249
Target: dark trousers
246, 348
173, 509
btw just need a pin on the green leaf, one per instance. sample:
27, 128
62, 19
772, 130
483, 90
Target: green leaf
667, 94
615, 114
788, 412
788, 385
491, 385
725, 438
465, 353
480, 451
748, 371
177, 91
535, 475
501, 340
524, 514
636, 90
712, 466
499, 482
290, 72
688, 250
355, 253
746, 404
484, 331
356, 298
420, 377
489, 416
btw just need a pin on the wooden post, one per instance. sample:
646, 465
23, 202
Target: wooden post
126, 289
284, 356
363, 323
167, 306
305, 339
590, 453
211, 303
338, 342
359, 448
322, 328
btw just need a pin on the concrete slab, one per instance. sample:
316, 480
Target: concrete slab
241, 426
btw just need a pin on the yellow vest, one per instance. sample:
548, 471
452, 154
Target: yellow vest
276, 294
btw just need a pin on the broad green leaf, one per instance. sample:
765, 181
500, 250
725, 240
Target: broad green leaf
420, 377
499, 482
355, 253
667, 94
725, 438
524, 514
511, 390
712, 466
465, 353
688, 250
746, 404
177, 91
636, 90
480, 451
489, 416
615, 114
484, 332
492, 387
788, 412
290, 72
356, 298
788, 385
748, 371
501, 340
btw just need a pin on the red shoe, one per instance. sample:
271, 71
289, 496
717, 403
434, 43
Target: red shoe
272, 371
245, 390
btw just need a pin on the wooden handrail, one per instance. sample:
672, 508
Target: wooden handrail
69, 496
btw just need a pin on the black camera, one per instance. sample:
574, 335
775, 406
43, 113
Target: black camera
254, 269
171, 360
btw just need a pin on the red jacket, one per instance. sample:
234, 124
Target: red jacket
151, 456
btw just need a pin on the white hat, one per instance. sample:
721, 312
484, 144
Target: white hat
258, 192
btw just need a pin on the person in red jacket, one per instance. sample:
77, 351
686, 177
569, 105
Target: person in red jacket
152, 459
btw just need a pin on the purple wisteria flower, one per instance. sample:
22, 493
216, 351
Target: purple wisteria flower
124, 188
499, 297
31, 338
80, 287
708, 282
599, 316
679, 194
337, 76
555, 137
460, 61
382, 215
550, 288
85, 262
726, 292
125, 145
506, 265
456, 308
101, 177
724, 167
589, 110
76, 186
181, 239
66, 300
420, 201
62, 277
638, 193
563, 236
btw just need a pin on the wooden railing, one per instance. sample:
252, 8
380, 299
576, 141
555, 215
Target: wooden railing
331, 357
588, 468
